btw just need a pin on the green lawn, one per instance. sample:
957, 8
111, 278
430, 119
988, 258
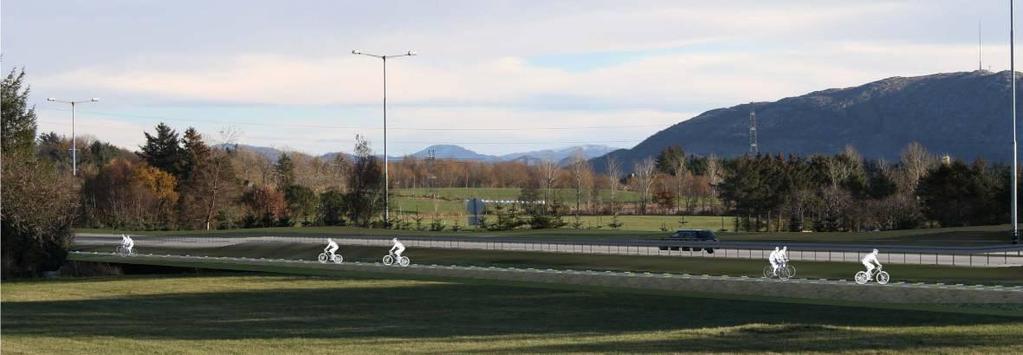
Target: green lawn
657, 264
503, 193
290, 314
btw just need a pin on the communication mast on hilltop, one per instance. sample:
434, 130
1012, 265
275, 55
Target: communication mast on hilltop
753, 149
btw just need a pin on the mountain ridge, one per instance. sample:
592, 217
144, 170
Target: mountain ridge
963, 114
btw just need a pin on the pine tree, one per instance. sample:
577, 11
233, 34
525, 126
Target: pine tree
19, 120
163, 151
285, 171
196, 154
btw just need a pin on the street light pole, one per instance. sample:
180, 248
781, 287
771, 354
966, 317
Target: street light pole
1015, 169
383, 58
74, 137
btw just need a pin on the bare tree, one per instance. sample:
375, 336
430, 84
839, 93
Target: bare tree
581, 178
548, 177
915, 163
644, 171
682, 177
215, 173
614, 175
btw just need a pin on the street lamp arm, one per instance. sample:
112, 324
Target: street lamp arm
50, 99
406, 54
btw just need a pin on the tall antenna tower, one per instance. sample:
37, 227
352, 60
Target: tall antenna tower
980, 47
753, 149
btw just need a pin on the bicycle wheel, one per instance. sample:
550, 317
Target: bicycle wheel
791, 270
322, 258
767, 272
883, 277
861, 277
783, 274
388, 260
338, 259
404, 261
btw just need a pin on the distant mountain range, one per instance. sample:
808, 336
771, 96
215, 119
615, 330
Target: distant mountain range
965, 114
447, 151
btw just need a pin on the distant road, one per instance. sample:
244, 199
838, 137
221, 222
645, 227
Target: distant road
991, 256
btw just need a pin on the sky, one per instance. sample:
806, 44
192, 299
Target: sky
493, 76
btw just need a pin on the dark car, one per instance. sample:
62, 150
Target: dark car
691, 235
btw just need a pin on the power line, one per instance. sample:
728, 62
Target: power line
300, 125
433, 142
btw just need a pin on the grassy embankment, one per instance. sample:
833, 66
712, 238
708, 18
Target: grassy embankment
286, 314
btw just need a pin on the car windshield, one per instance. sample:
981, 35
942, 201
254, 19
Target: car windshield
698, 235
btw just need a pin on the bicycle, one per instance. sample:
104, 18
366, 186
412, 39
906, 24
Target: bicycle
785, 272
881, 276
122, 251
389, 260
323, 258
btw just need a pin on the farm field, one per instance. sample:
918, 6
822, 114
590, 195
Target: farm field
291, 314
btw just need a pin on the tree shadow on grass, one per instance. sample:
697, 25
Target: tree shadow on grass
449, 310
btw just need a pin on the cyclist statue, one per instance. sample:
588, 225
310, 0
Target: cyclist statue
127, 243
869, 261
331, 248
775, 259
397, 249
783, 255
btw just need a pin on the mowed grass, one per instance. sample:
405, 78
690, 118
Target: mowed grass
665, 263
291, 314
504, 193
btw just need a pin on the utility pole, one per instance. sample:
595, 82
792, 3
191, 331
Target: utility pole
74, 137
387, 206
1015, 160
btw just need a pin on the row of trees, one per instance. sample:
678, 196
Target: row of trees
847, 193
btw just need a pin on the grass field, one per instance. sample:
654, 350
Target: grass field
1009, 276
504, 193
448, 204
281, 314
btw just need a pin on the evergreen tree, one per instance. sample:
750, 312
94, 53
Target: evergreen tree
284, 170
669, 159
195, 154
19, 120
163, 151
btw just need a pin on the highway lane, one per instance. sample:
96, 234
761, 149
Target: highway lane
972, 257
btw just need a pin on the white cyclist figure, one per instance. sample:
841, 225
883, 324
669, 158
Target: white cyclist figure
783, 256
774, 259
397, 249
127, 243
331, 248
871, 262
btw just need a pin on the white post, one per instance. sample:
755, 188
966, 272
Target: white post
1015, 169
387, 206
74, 143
